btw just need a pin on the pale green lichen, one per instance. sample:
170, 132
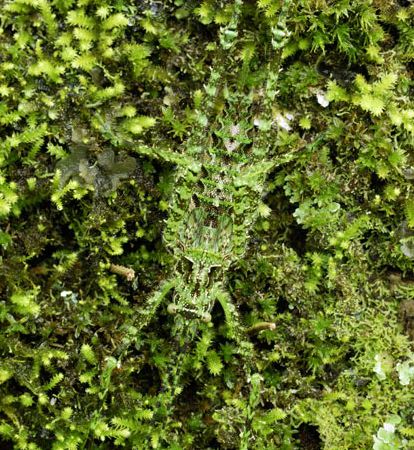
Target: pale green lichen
104, 171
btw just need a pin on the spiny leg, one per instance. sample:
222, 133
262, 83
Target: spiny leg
145, 315
235, 329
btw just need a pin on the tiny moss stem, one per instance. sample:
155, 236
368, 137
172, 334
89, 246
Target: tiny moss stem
125, 272
260, 326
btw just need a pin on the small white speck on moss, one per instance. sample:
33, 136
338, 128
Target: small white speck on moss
283, 122
322, 100
66, 293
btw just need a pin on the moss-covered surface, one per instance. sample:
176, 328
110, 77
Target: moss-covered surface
310, 347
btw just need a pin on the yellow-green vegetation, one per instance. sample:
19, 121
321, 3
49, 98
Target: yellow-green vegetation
206, 224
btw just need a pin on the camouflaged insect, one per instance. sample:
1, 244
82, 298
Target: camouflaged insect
219, 186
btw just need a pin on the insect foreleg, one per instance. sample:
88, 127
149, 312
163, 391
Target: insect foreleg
147, 313
236, 331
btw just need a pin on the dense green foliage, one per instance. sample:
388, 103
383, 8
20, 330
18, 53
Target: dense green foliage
132, 313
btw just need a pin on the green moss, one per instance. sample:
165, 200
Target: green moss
249, 166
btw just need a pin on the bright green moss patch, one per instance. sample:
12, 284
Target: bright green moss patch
206, 224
